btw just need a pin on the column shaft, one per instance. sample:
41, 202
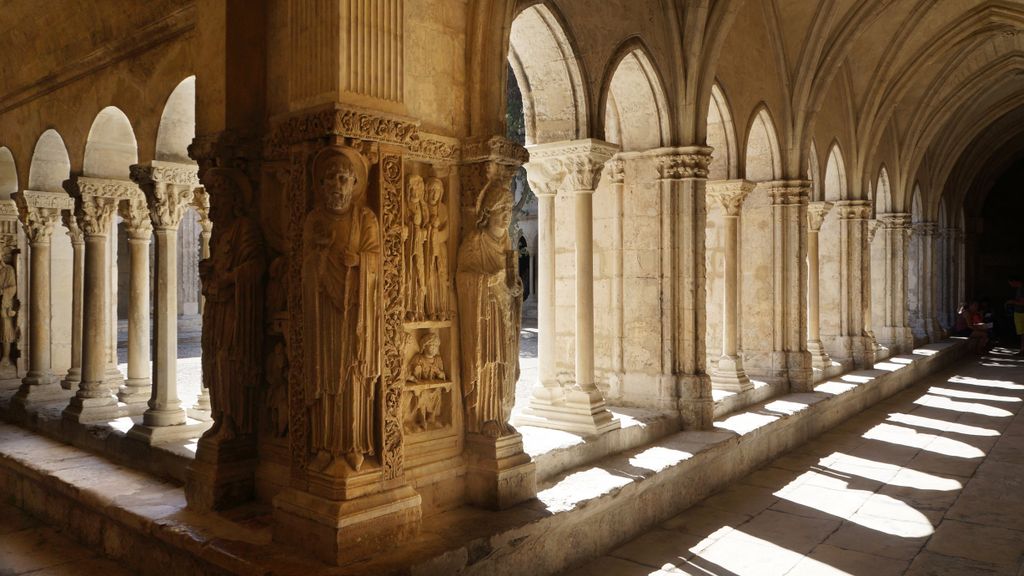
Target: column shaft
138, 384
584, 223
164, 406
546, 290
39, 314
74, 375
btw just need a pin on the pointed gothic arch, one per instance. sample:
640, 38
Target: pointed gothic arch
635, 107
721, 135
763, 155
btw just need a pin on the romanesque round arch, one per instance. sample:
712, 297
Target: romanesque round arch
177, 123
8, 173
111, 147
51, 165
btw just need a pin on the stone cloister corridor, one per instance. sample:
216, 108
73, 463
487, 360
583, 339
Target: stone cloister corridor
509, 287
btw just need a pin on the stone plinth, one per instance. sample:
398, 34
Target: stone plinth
499, 473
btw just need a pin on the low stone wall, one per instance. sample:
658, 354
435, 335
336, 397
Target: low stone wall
579, 514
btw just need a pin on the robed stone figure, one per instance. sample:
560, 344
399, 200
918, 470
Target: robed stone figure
341, 313
232, 281
8, 311
490, 297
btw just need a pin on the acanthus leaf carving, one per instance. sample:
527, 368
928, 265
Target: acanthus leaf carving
816, 213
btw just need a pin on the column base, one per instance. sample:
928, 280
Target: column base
113, 378
578, 412
730, 375
341, 532
159, 434
71, 380
135, 393
796, 368
223, 473
161, 418
499, 474
87, 410
202, 410
863, 351
36, 393
695, 404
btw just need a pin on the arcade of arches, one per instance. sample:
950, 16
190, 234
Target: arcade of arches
478, 286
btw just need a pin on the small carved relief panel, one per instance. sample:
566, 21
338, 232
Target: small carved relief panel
426, 231
428, 392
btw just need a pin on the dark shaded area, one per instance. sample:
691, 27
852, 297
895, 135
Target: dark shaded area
1000, 253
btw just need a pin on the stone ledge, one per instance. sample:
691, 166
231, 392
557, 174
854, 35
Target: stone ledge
110, 439
579, 514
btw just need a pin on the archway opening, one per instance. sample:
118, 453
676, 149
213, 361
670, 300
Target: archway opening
834, 189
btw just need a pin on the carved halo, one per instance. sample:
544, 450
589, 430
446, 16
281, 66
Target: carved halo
355, 159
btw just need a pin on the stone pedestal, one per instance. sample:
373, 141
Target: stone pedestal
223, 473
499, 474
729, 374
341, 532
816, 212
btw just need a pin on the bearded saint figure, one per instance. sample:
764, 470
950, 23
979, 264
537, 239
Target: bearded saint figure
490, 297
8, 312
341, 313
232, 282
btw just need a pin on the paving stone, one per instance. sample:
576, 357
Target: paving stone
827, 560
988, 544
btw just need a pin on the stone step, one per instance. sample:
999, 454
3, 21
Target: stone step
579, 513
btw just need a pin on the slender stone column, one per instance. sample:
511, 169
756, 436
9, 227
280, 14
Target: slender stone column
38, 212
729, 375
169, 191
928, 232
138, 385
816, 212
582, 408
869, 303
790, 358
94, 400
895, 334
615, 171
547, 396
201, 202
854, 342
74, 375
682, 174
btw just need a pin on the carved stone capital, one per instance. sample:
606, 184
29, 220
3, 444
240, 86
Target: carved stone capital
683, 163
8, 209
135, 213
201, 202
74, 231
166, 172
789, 192
94, 214
730, 194
37, 212
111, 188
816, 213
615, 169
581, 161
895, 220
854, 209
873, 226
545, 176
496, 149
926, 229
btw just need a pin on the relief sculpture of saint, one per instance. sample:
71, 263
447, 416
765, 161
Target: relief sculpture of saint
490, 297
341, 314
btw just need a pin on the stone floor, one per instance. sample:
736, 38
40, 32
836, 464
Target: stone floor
929, 482
27, 546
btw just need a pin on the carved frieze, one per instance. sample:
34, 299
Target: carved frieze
432, 148
339, 121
